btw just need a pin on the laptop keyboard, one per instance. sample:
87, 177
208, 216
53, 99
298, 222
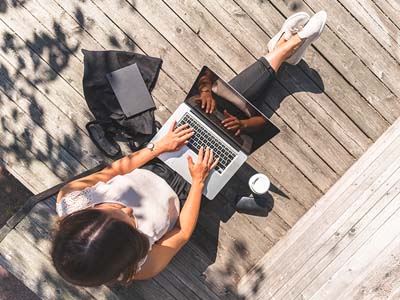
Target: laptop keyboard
203, 137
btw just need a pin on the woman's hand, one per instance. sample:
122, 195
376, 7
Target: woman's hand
207, 101
203, 166
175, 138
232, 123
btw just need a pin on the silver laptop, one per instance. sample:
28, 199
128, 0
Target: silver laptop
230, 144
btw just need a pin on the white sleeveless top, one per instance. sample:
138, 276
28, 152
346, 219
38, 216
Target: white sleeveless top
155, 205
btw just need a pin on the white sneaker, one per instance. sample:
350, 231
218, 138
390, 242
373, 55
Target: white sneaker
309, 34
292, 25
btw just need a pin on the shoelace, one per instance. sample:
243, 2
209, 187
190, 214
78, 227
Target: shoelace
292, 31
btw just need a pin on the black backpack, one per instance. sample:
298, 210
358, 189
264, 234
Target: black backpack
111, 124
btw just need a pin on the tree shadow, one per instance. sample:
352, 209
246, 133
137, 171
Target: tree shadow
6, 5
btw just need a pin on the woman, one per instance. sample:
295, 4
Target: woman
123, 223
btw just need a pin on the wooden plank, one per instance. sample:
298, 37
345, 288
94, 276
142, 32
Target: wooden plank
384, 199
34, 174
35, 270
54, 155
47, 115
148, 39
355, 174
175, 31
345, 241
312, 246
356, 264
208, 29
343, 59
308, 129
366, 48
18, 174
54, 89
377, 24
391, 10
37, 70
380, 279
360, 174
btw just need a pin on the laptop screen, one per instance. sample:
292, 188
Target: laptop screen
229, 112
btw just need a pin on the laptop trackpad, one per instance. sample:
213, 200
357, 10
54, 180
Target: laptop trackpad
178, 161
181, 164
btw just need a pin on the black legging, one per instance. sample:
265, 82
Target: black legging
251, 83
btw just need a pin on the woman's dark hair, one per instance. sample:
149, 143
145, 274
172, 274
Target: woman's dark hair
91, 248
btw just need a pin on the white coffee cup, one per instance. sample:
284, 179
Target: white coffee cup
259, 184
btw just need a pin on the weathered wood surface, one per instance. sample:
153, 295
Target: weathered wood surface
330, 108
340, 243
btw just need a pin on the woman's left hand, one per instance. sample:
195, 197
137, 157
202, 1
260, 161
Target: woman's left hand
232, 123
175, 138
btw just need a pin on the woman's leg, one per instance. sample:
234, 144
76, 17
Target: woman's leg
252, 81
180, 186
282, 51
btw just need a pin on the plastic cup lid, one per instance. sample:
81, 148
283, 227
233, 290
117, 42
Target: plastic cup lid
259, 183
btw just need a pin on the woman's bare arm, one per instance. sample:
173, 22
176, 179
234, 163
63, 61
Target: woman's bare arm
167, 247
121, 166
172, 141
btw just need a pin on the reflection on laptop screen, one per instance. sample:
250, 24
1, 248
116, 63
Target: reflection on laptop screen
233, 115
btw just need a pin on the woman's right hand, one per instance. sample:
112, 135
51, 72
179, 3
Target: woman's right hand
203, 166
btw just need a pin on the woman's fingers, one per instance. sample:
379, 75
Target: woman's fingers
184, 132
233, 127
211, 157
186, 136
206, 156
200, 155
172, 127
212, 106
209, 103
190, 161
215, 163
180, 128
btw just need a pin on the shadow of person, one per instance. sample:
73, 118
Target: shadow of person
290, 80
311, 83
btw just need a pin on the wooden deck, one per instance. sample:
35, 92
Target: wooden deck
348, 245
330, 109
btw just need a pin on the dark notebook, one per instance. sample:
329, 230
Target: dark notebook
131, 91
